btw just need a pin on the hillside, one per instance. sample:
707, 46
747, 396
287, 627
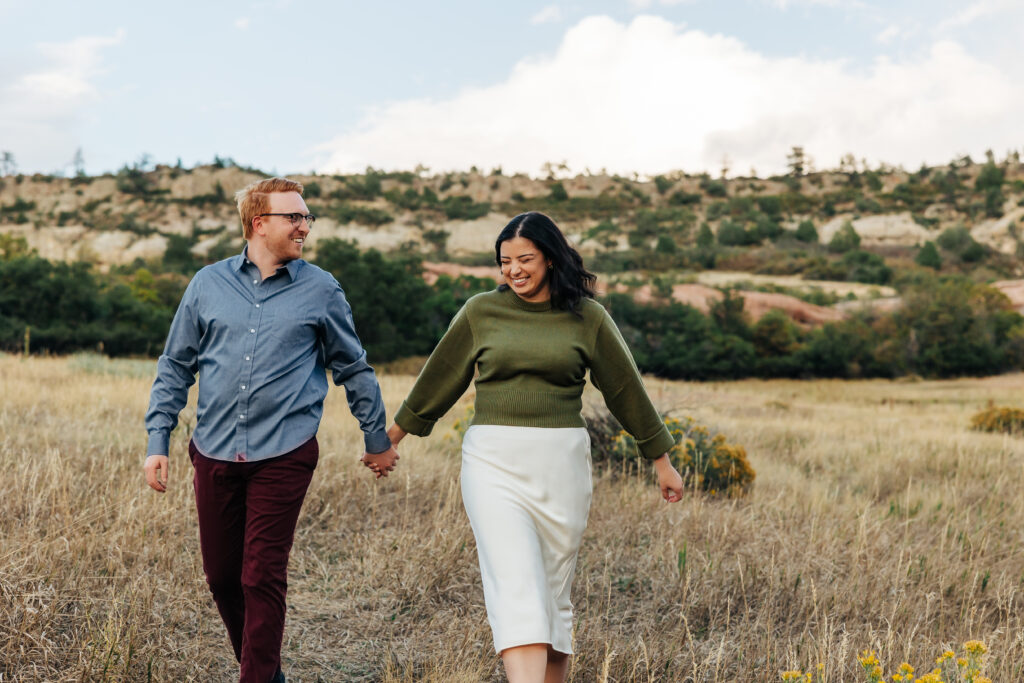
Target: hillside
774, 226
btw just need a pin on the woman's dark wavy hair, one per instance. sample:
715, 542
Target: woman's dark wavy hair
569, 281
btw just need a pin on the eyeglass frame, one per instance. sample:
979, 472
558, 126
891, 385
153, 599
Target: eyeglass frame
308, 217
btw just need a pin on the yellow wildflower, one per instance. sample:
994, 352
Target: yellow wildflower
975, 647
868, 659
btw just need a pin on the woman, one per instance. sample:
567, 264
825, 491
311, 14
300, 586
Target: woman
526, 457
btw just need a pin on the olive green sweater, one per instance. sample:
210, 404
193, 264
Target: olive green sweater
532, 363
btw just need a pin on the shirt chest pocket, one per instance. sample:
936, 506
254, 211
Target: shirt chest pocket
290, 328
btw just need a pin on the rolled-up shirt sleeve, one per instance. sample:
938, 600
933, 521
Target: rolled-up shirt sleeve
175, 373
345, 357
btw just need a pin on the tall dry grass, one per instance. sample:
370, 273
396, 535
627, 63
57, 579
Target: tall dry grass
877, 521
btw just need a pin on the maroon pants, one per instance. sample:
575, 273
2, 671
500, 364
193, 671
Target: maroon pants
247, 516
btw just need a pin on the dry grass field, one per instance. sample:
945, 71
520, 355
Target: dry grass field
877, 521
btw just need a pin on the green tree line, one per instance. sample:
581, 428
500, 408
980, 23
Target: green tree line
947, 327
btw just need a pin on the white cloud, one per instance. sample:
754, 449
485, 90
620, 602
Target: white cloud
888, 34
242, 23
977, 10
786, 4
650, 97
646, 4
550, 14
42, 106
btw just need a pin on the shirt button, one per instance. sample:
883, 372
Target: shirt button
254, 282
253, 330
243, 386
241, 417
247, 357
257, 305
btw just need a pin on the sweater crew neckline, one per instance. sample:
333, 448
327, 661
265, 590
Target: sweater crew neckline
518, 302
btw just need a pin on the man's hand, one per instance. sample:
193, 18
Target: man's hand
381, 463
156, 472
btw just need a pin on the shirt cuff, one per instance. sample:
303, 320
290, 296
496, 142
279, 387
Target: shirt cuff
376, 442
159, 443
413, 423
657, 445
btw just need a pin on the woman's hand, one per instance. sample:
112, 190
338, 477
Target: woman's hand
396, 434
669, 481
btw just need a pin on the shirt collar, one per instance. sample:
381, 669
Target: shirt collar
292, 267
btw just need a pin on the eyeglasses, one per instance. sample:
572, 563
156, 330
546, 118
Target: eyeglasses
295, 218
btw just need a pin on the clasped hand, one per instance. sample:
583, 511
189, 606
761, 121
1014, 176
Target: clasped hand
380, 463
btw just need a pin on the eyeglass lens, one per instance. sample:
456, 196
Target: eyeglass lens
296, 219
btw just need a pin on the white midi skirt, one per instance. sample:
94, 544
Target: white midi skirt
527, 493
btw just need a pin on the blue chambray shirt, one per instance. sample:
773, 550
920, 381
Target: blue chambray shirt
261, 348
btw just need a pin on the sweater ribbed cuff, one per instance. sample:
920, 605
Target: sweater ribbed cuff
657, 445
413, 423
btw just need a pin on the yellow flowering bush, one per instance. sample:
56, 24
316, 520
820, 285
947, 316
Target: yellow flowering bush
1001, 420
706, 460
951, 669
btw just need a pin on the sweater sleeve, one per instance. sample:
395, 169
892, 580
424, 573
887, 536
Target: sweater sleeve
444, 378
614, 372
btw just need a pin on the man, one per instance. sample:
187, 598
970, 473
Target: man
260, 328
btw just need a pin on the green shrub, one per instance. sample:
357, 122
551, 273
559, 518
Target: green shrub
714, 188
928, 256
766, 228
666, 245
845, 239
990, 177
973, 253
557, 192
1000, 420
605, 227
733, 234
955, 239
705, 238
716, 210
863, 266
867, 205
805, 232
344, 213
464, 208
19, 205
994, 200
873, 180
368, 187
770, 205
680, 198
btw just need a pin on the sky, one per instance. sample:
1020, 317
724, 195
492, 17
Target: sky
624, 86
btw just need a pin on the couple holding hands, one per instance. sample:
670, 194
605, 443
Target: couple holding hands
261, 329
